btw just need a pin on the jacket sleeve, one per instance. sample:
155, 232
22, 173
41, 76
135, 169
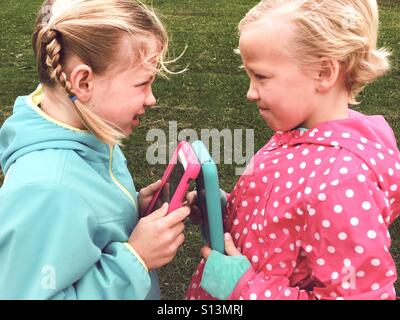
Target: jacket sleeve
247, 283
48, 251
346, 245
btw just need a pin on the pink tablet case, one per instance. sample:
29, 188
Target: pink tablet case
192, 170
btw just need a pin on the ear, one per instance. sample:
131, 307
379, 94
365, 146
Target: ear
81, 79
328, 75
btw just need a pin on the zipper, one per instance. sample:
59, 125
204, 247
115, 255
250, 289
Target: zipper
7, 175
124, 190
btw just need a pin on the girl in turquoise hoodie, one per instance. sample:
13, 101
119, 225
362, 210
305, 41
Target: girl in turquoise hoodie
69, 209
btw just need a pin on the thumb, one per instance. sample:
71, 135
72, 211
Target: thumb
230, 248
205, 252
159, 213
191, 197
151, 189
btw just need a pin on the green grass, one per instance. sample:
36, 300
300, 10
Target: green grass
211, 94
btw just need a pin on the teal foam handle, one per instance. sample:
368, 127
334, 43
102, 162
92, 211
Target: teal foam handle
212, 226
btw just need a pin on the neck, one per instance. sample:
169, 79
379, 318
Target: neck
58, 105
332, 105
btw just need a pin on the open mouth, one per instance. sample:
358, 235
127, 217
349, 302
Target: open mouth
137, 116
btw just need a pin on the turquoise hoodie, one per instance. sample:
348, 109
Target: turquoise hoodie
67, 207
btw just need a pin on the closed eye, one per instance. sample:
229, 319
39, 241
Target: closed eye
142, 84
260, 77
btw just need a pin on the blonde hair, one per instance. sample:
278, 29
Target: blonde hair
344, 30
93, 30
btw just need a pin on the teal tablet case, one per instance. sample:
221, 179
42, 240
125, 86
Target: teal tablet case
209, 201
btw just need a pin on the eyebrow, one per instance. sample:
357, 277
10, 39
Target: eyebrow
248, 69
254, 71
148, 79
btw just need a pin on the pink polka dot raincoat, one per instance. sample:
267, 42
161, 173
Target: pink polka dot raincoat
311, 213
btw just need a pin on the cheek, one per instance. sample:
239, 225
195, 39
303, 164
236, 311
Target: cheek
300, 85
272, 94
134, 102
293, 94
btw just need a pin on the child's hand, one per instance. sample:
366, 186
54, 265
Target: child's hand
195, 213
147, 193
158, 236
230, 248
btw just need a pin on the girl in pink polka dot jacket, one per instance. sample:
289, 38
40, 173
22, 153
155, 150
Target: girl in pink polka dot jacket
309, 217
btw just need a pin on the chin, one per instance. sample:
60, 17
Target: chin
128, 132
278, 128
281, 127
272, 126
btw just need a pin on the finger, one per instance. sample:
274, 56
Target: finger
177, 216
191, 197
205, 252
151, 189
158, 214
230, 247
180, 239
175, 246
178, 229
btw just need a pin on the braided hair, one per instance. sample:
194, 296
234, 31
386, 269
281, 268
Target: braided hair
90, 29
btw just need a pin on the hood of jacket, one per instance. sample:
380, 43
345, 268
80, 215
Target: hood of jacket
29, 129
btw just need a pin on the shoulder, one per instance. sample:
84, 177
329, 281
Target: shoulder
341, 161
50, 166
37, 167
38, 203
327, 169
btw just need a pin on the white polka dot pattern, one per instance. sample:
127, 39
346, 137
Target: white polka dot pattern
325, 199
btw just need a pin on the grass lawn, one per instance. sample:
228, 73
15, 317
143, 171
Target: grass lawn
211, 94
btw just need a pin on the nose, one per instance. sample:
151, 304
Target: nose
252, 94
150, 99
